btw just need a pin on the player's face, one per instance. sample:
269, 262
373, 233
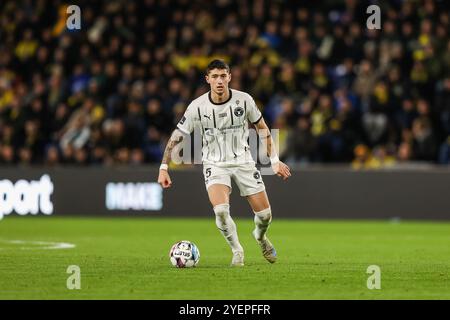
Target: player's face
218, 79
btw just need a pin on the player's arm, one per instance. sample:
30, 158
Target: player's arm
184, 127
281, 169
164, 178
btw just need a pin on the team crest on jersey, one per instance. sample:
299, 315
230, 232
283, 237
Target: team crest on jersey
238, 112
209, 131
256, 175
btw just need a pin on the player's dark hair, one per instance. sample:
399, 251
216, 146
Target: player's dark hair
217, 64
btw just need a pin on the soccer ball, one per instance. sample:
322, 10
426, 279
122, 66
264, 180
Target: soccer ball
184, 254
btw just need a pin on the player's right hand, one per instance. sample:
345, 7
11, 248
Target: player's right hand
164, 179
282, 170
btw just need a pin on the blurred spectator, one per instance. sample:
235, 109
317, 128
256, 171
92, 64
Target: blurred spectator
301, 143
444, 152
424, 146
52, 157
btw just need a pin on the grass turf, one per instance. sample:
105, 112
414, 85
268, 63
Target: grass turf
128, 259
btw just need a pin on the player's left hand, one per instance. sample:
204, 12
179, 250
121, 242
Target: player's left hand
282, 170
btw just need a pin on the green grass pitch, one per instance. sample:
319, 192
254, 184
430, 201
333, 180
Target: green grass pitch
127, 258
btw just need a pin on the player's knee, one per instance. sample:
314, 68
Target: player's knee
264, 215
222, 211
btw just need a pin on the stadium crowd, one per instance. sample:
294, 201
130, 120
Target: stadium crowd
113, 91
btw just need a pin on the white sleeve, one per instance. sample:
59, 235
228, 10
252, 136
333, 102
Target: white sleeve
253, 113
188, 120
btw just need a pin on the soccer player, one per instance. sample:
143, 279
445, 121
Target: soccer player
222, 115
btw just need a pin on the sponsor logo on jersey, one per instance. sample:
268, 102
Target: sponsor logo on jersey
238, 111
182, 120
222, 115
209, 117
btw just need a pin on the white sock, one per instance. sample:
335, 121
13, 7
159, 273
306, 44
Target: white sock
227, 226
262, 222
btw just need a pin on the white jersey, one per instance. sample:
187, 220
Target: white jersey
224, 127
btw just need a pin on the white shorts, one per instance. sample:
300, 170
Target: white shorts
246, 176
